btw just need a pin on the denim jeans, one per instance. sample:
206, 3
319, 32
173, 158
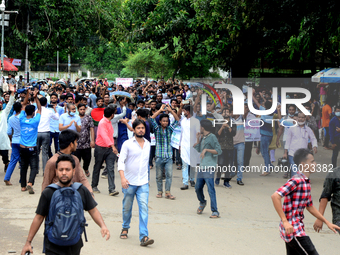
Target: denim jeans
15, 157
43, 141
211, 190
54, 136
163, 163
239, 159
265, 142
101, 154
334, 155
29, 157
176, 157
293, 168
301, 245
142, 196
152, 155
186, 171
247, 153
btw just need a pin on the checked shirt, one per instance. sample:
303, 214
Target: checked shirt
297, 193
163, 139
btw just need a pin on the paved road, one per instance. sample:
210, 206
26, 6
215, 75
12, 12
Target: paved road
248, 223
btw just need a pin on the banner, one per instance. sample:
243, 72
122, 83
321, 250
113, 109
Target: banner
176, 136
166, 101
125, 82
252, 131
13, 61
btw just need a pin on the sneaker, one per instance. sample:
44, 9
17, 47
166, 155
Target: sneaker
95, 190
239, 182
217, 181
192, 183
104, 176
227, 185
113, 193
184, 187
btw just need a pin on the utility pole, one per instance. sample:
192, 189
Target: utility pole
58, 56
69, 66
27, 68
2, 9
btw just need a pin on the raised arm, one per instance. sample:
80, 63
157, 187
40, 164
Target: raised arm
172, 112
159, 111
36, 99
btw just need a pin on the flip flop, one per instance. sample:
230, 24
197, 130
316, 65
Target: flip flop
214, 215
23, 189
30, 189
200, 209
169, 196
87, 173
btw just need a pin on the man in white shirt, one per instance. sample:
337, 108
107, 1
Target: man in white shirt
190, 157
43, 138
133, 167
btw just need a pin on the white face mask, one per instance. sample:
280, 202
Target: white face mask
87, 94
302, 123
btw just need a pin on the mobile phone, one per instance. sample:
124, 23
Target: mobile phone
50, 106
186, 101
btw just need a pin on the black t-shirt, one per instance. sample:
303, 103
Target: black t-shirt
43, 208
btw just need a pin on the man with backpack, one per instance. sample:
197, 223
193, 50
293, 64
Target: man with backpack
62, 206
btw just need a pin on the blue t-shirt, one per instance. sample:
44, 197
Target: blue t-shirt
29, 129
66, 119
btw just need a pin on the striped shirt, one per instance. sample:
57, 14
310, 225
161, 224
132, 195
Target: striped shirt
163, 139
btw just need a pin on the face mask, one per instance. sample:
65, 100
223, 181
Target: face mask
87, 94
308, 111
302, 123
291, 115
72, 113
80, 94
337, 114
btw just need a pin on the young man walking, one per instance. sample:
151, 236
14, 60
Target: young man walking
105, 150
163, 134
65, 170
297, 197
334, 134
133, 167
209, 147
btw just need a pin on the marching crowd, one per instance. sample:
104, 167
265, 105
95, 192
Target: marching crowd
147, 125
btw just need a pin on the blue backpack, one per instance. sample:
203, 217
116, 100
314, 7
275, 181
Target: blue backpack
65, 221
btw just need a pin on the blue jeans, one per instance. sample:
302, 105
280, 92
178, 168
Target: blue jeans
15, 157
185, 173
293, 167
211, 189
163, 163
55, 137
142, 196
265, 142
43, 142
239, 159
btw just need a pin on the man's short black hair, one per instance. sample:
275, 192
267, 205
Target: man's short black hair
29, 109
163, 115
301, 155
99, 98
158, 106
179, 96
43, 101
54, 94
152, 101
69, 95
207, 125
67, 137
17, 107
337, 107
108, 111
65, 157
140, 102
268, 105
142, 113
81, 105
138, 122
78, 98
62, 97
173, 100
188, 108
292, 105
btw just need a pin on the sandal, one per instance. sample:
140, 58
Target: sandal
125, 234
87, 173
23, 189
214, 215
30, 189
201, 208
159, 195
8, 183
169, 196
146, 241
179, 167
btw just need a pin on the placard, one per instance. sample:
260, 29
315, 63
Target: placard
125, 82
176, 137
252, 131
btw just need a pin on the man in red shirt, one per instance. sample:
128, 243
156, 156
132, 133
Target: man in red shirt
297, 197
105, 150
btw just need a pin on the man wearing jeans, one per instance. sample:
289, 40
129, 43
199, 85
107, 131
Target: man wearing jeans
334, 133
209, 147
163, 134
105, 150
43, 138
29, 122
133, 167
13, 132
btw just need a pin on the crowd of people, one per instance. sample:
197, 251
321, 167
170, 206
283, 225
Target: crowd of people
146, 125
